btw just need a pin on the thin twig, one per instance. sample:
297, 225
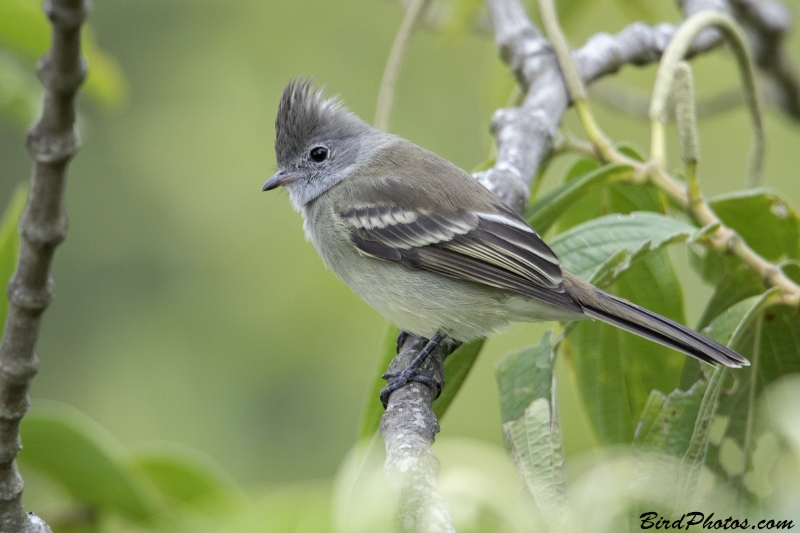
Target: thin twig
767, 22
723, 240
395, 62
677, 50
52, 142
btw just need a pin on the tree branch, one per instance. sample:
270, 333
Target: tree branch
408, 428
51, 142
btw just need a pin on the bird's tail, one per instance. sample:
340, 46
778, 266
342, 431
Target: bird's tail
630, 317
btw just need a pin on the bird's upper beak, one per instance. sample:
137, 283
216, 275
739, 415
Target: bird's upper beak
280, 179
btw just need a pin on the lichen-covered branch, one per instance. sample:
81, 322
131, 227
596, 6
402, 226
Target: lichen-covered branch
525, 134
52, 142
408, 428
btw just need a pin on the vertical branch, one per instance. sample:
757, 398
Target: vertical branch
408, 428
392, 71
51, 142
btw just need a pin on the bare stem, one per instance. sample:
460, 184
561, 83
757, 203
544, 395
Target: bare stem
675, 52
723, 240
52, 142
395, 62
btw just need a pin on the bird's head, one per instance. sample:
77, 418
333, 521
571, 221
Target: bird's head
317, 142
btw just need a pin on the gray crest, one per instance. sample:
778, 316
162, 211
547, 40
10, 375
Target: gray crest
306, 116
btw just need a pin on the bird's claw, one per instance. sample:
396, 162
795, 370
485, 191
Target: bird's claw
398, 380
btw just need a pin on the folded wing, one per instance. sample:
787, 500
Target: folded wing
496, 248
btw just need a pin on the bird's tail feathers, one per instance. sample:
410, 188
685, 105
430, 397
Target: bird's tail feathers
630, 317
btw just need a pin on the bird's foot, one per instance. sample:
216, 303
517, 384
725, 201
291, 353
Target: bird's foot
410, 373
401, 379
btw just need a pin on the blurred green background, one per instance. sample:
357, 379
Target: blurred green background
190, 308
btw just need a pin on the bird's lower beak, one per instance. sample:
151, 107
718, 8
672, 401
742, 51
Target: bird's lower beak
280, 179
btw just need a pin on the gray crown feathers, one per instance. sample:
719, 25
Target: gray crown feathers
305, 114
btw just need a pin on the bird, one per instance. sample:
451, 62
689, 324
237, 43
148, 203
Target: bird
427, 245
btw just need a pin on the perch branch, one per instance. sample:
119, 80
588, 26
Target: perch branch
408, 428
51, 142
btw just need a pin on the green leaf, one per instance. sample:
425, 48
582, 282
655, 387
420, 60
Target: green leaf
765, 221
728, 322
605, 198
695, 456
530, 425
616, 370
770, 338
86, 461
456, 369
544, 212
721, 330
373, 410
630, 150
523, 376
667, 422
9, 244
736, 286
601, 249
25, 29
681, 423
536, 448
186, 477
614, 376
712, 266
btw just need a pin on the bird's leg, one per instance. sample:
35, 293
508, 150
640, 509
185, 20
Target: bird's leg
401, 340
409, 374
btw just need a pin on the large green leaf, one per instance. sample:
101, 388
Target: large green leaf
523, 376
765, 221
737, 285
530, 425
186, 477
680, 424
457, 366
667, 421
9, 244
86, 461
616, 370
602, 196
599, 250
544, 212
768, 224
770, 338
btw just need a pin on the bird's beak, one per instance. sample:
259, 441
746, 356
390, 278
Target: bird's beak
280, 179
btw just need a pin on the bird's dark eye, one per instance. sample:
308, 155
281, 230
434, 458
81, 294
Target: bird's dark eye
319, 154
